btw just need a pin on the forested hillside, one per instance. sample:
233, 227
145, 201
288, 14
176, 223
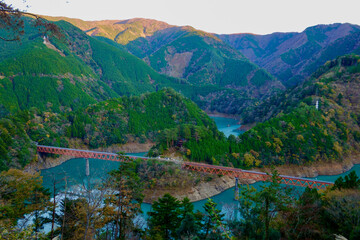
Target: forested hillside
115, 121
294, 131
29, 68
75, 71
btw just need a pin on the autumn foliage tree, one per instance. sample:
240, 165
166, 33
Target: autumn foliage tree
20, 193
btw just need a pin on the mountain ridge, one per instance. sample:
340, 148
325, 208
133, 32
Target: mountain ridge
144, 26
289, 56
200, 58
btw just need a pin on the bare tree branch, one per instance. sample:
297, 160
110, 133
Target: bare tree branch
11, 20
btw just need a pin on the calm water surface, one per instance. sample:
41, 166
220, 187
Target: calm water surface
227, 125
74, 170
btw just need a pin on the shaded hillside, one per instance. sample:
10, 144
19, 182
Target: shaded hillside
296, 132
115, 121
124, 73
292, 57
198, 57
333, 73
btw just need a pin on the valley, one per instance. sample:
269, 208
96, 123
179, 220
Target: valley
282, 103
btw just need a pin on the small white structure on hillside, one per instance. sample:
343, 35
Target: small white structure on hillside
46, 39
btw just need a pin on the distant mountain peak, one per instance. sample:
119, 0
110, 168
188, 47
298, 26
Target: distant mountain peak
144, 21
293, 56
121, 31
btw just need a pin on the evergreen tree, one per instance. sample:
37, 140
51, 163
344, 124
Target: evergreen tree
186, 208
190, 221
349, 181
258, 209
126, 200
189, 227
272, 199
213, 225
165, 217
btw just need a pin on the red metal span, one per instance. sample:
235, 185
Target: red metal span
199, 167
81, 153
258, 176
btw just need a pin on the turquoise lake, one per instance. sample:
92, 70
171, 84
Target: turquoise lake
227, 125
74, 170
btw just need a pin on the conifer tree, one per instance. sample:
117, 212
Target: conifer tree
165, 216
126, 199
213, 221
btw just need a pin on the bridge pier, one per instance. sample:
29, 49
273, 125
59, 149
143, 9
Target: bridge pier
87, 170
236, 194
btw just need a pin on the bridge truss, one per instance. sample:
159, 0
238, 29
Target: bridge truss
254, 175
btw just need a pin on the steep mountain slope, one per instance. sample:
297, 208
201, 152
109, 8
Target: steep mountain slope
183, 52
63, 75
330, 76
36, 73
203, 59
292, 57
198, 57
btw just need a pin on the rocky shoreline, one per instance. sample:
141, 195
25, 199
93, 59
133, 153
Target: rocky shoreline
206, 190
319, 168
201, 191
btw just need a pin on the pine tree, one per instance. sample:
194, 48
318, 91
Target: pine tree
165, 217
213, 221
126, 200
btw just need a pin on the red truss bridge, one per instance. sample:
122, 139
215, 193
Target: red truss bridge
254, 175
81, 153
193, 166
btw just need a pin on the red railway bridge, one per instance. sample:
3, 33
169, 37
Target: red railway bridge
193, 166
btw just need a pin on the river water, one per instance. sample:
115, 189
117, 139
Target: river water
74, 169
